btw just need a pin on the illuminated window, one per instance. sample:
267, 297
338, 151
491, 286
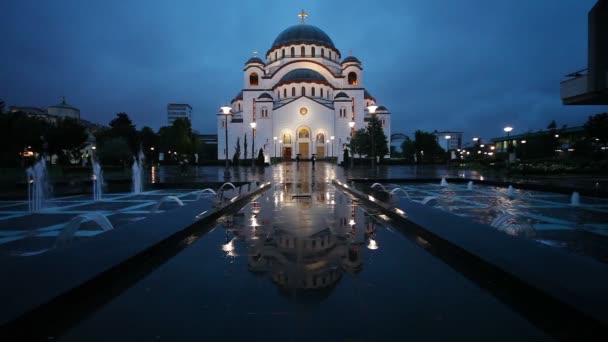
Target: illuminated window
286, 138
303, 134
253, 79
352, 78
320, 138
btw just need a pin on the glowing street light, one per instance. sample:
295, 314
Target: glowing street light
226, 111
253, 126
372, 111
332, 145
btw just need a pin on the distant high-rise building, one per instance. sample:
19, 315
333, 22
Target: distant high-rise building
178, 111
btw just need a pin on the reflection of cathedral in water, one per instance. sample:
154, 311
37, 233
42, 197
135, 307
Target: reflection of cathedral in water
304, 236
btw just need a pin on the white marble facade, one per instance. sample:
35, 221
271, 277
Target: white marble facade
300, 96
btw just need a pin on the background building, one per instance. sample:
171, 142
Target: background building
178, 110
590, 86
303, 98
64, 110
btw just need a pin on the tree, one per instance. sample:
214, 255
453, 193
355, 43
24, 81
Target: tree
408, 149
122, 126
237, 152
380, 141
596, 128
18, 133
114, 151
245, 147
178, 138
427, 148
66, 138
149, 139
552, 125
359, 141
260, 159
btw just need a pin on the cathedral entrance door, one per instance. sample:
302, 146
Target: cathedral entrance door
304, 150
320, 151
287, 153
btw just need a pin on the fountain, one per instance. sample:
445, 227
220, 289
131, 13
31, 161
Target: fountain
200, 193
166, 199
443, 182
37, 184
97, 181
429, 200
67, 233
395, 190
510, 191
378, 185
470, 185
226, 184
575, 199
136, 174
508, 223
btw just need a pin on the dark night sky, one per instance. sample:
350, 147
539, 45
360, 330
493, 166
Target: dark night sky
469, 65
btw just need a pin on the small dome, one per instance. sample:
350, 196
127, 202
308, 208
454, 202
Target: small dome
265, 96
302, 34
368, 96
341, 95
302, 75
238, 97
63, 104
255, 60
382, 110
352, 59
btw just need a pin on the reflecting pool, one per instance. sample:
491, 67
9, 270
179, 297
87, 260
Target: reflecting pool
304, 261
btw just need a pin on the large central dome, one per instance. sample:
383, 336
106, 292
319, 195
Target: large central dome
303, 34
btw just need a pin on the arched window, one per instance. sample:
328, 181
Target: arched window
352, 78
312, 51
323, 52
312, 92
293, 52
239, 106
293, 91
303, 91
275, 55
320, 138
303, 133
264, 112
285, 92
321, 92
302, 51
286, 138
253, 79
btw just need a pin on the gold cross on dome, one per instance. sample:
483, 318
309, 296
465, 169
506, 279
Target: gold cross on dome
303, 16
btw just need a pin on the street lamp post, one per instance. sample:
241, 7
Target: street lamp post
226, 111
372, 111
281, 150
332, 145
253, 125
447, 147
351, 124
275, 147
508, 129
152, 155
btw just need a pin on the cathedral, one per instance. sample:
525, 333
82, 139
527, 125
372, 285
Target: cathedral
304, 99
